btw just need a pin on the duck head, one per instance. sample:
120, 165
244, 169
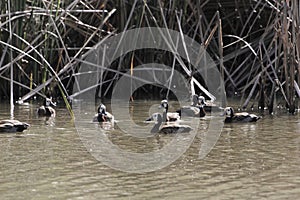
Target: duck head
229, 112
101, 109
101, 113
164, 104
49, 102
201, 101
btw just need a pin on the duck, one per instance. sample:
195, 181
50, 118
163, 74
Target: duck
168, 128
196, 109
201, 105
168, 116
209, 105
232, 117
102, 115
12, 126
46, 110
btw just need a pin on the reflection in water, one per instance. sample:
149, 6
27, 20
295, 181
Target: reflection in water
259, 160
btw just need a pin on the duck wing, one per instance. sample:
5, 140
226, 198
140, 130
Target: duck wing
6, 126
12, 126
50, 111
21, 127
190, 111
175, 128
173, 116
245, 117
41, 111
109, 117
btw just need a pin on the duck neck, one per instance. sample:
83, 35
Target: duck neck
155, 128
202, 111
157, 125
228, 119
231, 114
166, 108
164, 117
165, 111
100, 117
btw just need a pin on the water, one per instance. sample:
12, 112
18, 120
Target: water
50, 161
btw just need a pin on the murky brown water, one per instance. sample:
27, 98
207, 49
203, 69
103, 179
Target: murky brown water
50, 161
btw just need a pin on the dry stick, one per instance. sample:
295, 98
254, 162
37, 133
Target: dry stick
249, 46
117, 72
207, 41
272, 50
179, 59
237, 70
285, 38
3, 55
293, 57
297, 11
231, 56
11, 66
30, 9
18, 83
253, 70
226, 17
236, 32
297, 88
118, 45
261, 101
257, 69
22, 55
272, 98
182, 39
125, 28
250, 80
254, 22
91, 87
173, 64
210, 32
193, 13
132, 56
25, 52
275, 60
297, 36
202, 22
281, 89
65, 50
220, 41
70, 63
271, 62
251, 92
264, 69
186, 52
103, 75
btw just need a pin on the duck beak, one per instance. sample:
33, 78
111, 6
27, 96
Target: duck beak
149, 119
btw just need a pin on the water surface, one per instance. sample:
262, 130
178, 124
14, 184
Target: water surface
49, 161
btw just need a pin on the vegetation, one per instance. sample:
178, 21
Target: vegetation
256, 43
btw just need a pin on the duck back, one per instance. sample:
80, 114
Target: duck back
10, 126
170, 129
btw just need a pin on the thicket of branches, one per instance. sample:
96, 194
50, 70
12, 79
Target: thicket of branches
255, 43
